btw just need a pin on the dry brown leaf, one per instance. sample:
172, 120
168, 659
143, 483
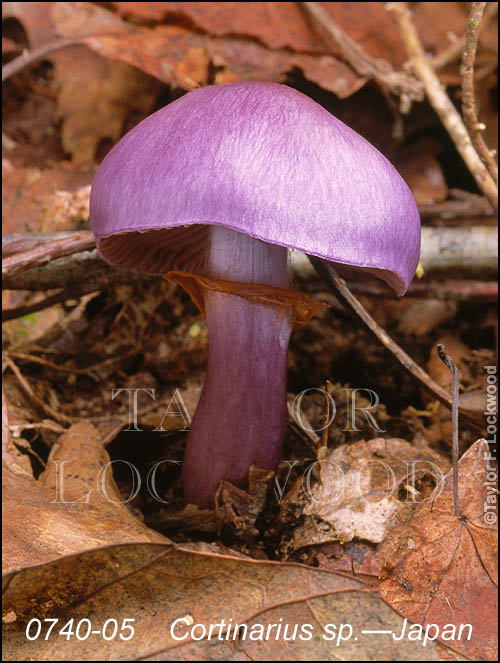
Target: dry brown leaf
113, 91
274, 37
422, 171
357, 494
45, 519
277, 25
423, 315
158, 584
352, 557
444, 570
240, 508
174, 54
282, 25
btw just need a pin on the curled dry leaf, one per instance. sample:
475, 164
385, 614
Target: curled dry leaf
282, 25
443, 570
72, 507
174, 54
241, 508
100, 114
422, 316
359, 486
420, 167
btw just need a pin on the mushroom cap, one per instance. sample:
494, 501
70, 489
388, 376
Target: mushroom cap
262, 159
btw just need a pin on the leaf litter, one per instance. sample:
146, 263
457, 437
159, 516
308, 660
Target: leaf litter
151, 337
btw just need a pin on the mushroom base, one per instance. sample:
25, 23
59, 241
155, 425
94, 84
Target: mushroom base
241, 416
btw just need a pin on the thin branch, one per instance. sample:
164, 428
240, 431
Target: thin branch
462, 204
30, 57
462, 291
329, 275
457, 45
440, 101
59, 417
403, 85
446, 359
472, 250
21, 311
468, 95
46, 252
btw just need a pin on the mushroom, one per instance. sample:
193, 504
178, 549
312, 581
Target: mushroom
213, 190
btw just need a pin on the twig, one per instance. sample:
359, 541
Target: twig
462, 204
450, 54
440, 101
61, 418
446, 359
462, 291
403, 85
46, 424
468, 94
457, 45
44, 253
20, 242
21, 311
329, 275
469, 249
30, 57
50, 364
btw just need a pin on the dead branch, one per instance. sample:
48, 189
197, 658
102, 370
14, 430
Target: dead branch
59, 417
30, 57
470, 249
77, 274
399, 83
330, 277
456, 290
44, 253
479, 291
462, 204
447, 360
468, 95
440, 101
457, 45
20, 311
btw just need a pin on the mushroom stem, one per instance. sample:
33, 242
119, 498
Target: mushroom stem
241, 416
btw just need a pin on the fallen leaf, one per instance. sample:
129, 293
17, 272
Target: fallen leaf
175, 595
442, 569
423, 173
352, 557
424, 315
71, 507
357, 494
113, 91
241, 508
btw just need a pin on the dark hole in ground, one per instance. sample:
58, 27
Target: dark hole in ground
146, 467
40, 454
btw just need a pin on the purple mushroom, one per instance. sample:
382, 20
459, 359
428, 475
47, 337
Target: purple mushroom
221, 183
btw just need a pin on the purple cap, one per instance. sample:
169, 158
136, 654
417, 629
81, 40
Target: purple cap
262, 159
